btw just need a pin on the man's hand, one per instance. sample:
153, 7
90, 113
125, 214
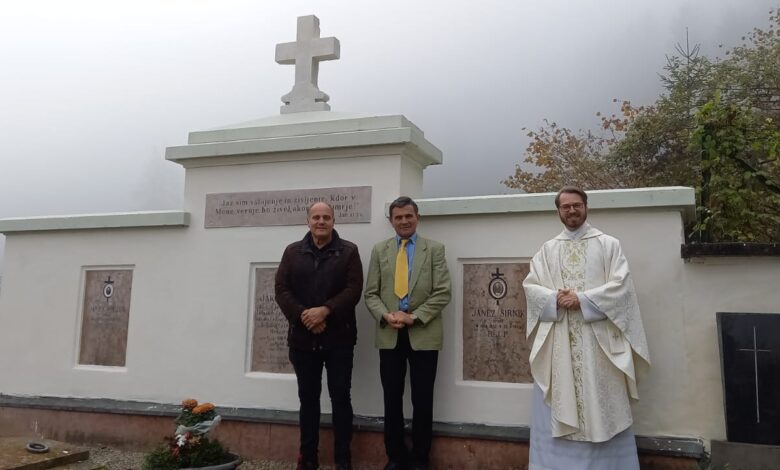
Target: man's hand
396, 319
568, 299
319, 328
313, 317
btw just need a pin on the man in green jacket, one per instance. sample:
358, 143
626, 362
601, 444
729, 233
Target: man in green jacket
408, 286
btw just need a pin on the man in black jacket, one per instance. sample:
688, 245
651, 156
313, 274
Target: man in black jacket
318, 283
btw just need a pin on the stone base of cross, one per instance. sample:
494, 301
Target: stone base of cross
305, 97
306, 53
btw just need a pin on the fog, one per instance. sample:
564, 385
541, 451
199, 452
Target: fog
91, 93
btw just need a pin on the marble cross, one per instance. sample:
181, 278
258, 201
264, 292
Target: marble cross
306, 53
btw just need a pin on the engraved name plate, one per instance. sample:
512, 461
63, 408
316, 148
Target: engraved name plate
105, 317
269, 333
494, 323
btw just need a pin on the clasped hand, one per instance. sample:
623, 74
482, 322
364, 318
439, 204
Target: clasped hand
398, 319
314, 319
567, 298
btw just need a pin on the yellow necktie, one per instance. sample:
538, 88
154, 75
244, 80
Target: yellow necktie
402, 271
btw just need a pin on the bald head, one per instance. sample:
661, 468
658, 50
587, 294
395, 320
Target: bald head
320, 204
320, 218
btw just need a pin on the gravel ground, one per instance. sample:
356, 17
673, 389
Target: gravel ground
106, 458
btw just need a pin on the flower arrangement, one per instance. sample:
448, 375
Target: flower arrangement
189, 447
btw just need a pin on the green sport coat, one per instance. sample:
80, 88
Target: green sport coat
430, 291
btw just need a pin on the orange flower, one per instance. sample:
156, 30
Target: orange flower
204, 408
189, 403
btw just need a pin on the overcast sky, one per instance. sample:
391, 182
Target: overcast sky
91, 93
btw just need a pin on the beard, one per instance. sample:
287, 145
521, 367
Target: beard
574, 221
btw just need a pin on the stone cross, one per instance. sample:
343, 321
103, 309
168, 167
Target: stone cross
306, 53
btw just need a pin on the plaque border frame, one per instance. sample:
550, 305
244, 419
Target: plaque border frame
250, 317
458, 305
80, 317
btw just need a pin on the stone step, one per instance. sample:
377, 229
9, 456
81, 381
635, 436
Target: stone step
743, 456
104, 458
86, 465
15, 456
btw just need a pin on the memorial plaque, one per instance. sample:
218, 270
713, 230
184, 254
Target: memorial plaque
269, 334
494, 322
351, 205
750, 358
105, 316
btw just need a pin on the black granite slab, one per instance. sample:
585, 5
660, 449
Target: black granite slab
750, 360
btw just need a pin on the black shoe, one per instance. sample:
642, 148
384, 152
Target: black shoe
343, 466
419, 466
304, 464
395, 465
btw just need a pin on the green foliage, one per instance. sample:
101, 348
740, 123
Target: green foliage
739, 199
206, 453
209, 452
189, 447
714, 128
188, 418
160, 459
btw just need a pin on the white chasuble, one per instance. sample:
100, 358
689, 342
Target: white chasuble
585, 369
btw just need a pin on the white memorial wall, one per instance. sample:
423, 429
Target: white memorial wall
191, 274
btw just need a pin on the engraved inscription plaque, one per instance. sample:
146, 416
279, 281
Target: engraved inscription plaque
269, 333
105, 317
351, 205
494, 323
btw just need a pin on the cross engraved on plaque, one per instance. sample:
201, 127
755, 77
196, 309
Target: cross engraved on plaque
306, 53
755, 352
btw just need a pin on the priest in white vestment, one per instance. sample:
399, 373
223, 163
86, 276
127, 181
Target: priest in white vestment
587, 343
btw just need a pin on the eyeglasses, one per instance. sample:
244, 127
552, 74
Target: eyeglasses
568, 207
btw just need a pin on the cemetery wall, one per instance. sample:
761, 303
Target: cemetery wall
190, 322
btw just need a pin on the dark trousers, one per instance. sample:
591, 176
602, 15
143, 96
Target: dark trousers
308, 370
422, 375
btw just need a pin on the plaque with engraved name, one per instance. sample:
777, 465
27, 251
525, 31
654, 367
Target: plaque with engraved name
105, 317
494, 323
269, 333
351, 205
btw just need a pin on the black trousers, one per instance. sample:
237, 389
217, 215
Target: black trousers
308, 370
422, 375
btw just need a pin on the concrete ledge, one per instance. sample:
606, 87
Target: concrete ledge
702, 250
674, 446
298, 124
315, 131
276, 442
665, 446
674, 197
95, 221
404, 135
